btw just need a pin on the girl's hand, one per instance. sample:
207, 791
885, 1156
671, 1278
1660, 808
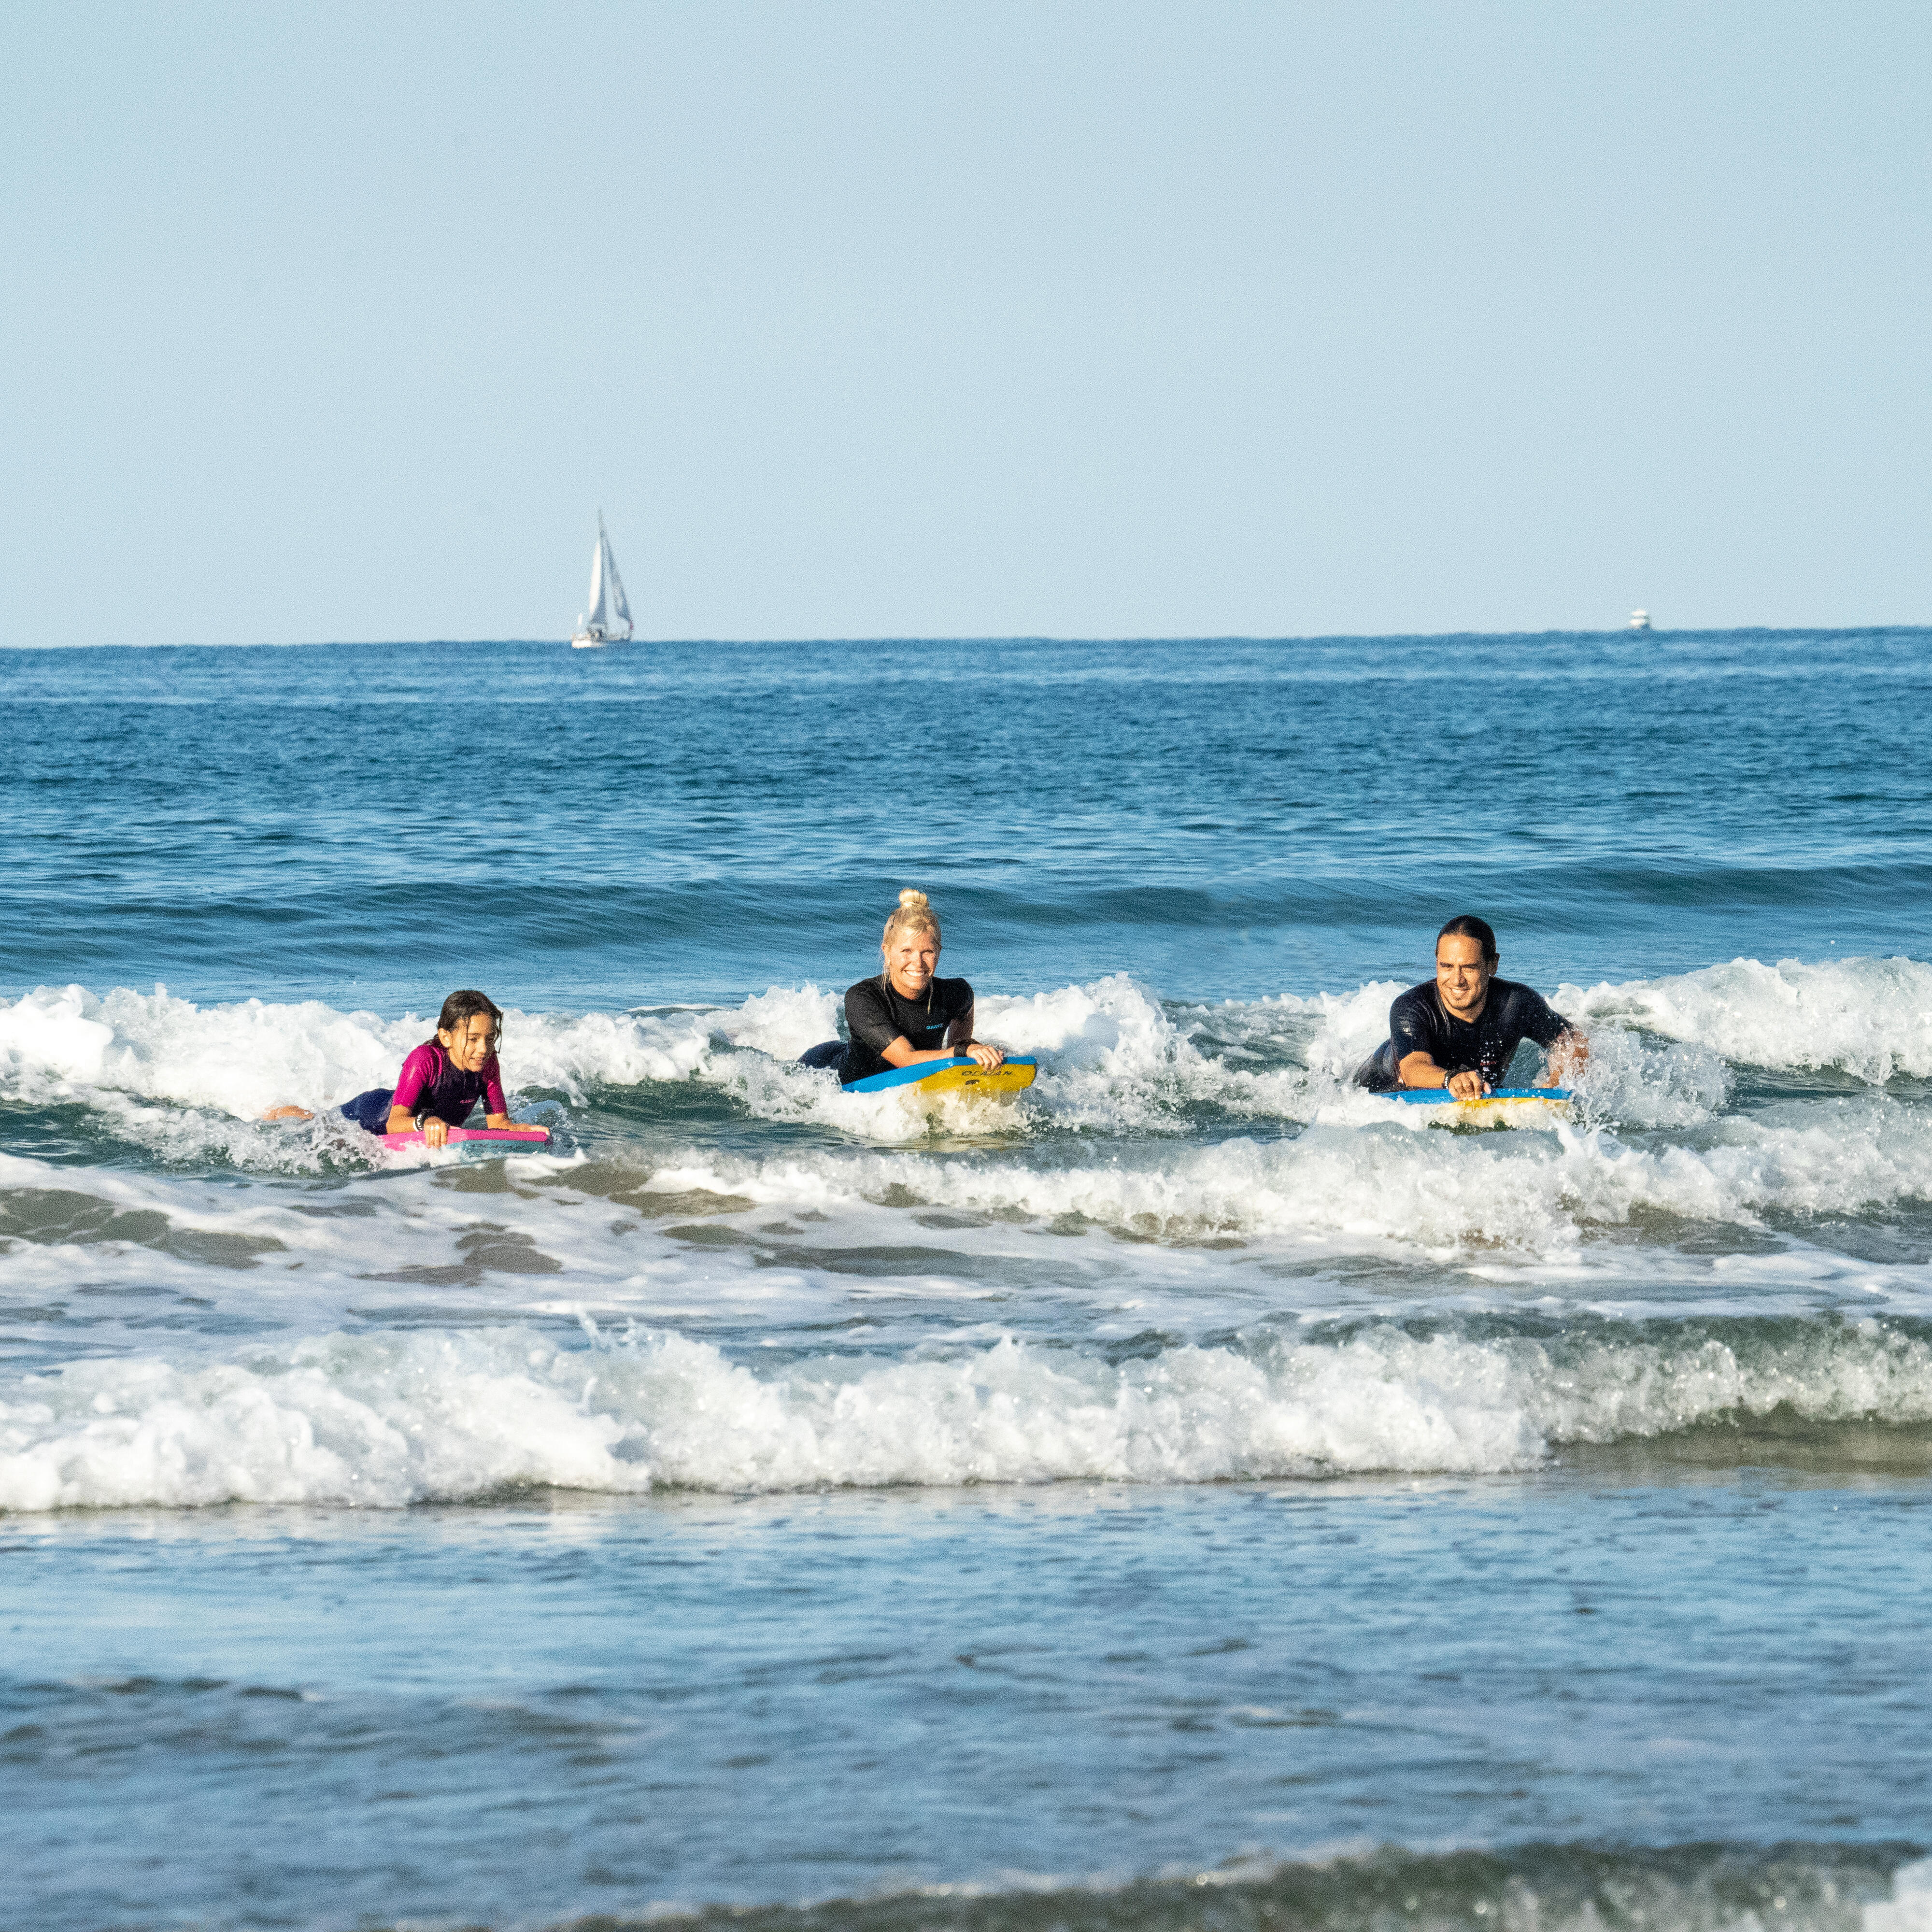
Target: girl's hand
435, 1131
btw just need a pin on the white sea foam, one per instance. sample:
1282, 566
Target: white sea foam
399, 1418
65, 1043
1113, 1058
1387, 1188
1909, 1907
1872, 1017
62, 1042
182, 1079
1383, 1179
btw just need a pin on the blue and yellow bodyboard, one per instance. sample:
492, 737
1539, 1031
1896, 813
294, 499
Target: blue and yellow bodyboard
962, 1076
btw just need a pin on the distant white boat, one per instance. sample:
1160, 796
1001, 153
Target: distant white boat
1639, 620
608, 608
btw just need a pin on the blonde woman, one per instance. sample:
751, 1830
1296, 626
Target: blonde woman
907, 1013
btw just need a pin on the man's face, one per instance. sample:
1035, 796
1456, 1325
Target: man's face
1461, 974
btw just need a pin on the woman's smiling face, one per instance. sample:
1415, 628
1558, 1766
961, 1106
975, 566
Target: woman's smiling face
911, 960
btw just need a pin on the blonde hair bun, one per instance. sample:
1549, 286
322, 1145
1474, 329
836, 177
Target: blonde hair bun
912, 914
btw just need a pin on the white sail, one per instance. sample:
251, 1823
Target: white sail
620, 610
598, 621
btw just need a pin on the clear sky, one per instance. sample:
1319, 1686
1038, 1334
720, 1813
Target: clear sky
342, 322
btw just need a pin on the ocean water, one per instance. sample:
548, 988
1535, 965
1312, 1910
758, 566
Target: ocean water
1192, 1494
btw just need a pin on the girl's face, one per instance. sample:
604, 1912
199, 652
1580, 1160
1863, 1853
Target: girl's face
912, 958
470, 1046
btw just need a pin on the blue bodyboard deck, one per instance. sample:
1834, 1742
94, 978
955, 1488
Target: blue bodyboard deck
964, 1075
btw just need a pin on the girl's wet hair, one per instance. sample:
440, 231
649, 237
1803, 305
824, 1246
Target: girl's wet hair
914, 914
460, 1008
1467, 926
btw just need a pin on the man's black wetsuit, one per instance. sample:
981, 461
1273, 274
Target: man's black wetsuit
1420, 1023
877, 1014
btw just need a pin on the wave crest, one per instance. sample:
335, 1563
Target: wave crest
387, 1420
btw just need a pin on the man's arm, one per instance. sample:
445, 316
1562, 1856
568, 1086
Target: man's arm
1566, 1047
1567, 1058
1415, 1054
1419, 1070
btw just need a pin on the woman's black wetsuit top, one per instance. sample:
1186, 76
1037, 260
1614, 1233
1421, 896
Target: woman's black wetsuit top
1420, 1023
876, 1015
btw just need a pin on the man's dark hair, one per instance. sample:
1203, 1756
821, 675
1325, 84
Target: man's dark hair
460, 1008
1467, 926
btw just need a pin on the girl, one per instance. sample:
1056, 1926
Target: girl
441, 1080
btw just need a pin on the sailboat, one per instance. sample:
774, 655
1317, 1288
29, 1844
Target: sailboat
608, 608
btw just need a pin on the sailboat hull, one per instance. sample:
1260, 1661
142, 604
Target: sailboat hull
592, 640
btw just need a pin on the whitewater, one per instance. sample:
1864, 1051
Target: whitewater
1192, 1476
1199, 1174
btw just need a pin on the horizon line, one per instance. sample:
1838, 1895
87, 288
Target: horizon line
990, 637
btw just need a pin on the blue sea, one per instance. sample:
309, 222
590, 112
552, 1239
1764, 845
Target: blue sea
1194, 1494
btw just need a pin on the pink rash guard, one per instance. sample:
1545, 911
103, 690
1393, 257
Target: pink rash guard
430, 1083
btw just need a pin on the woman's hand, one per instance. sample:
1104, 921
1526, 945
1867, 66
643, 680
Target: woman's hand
979, 1051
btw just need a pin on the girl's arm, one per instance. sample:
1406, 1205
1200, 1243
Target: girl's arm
409, 1084
435, 1129
495, 1107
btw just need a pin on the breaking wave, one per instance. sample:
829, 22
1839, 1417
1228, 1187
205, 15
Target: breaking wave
397, 1418
1869, 1017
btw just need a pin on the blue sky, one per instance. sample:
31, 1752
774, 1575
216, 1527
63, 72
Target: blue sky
341, 323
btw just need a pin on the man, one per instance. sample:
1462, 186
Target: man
1461, 1029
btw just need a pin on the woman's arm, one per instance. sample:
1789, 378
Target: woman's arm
959, 1040
903, 1053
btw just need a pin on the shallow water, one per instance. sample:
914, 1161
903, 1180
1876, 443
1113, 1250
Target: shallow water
603, 1531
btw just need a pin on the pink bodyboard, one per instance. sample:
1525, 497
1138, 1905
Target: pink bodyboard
524, 1136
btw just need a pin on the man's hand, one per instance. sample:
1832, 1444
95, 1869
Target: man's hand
1567, 1058
988, 1056
1466, 1086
